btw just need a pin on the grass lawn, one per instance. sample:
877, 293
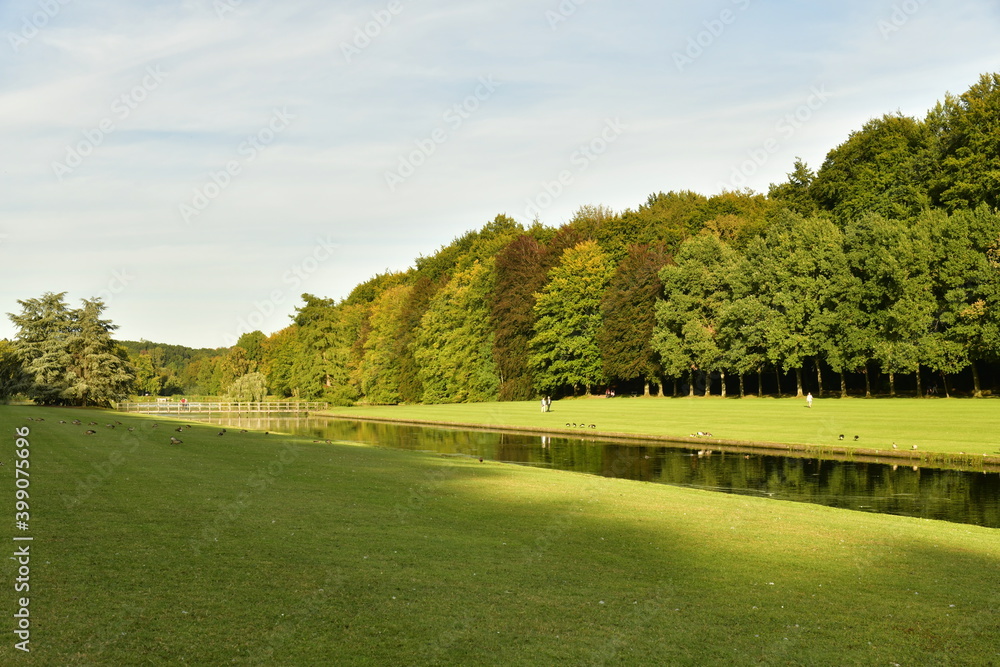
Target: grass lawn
268, 549
934, 425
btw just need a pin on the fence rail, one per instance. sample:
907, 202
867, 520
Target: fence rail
233, 407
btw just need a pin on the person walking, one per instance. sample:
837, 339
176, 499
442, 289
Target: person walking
809, 400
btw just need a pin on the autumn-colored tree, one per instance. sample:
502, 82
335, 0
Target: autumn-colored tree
628, 317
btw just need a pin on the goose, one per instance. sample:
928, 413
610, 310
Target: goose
840, 437
856, 438
89, 432
913, 447
179, 429
175, 441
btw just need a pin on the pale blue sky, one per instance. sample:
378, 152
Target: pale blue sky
202, 163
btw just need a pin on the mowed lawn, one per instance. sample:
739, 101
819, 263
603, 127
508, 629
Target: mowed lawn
268, 549
936, 425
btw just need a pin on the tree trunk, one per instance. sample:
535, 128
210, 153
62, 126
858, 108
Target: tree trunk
977, 390
645, 388
798, 383
819, 379
691, 383
892, 384
708, 385
868, 384
677, 389
920, 386
722, 374
777, 377
760, 382
742, 395
843, 386
944, 381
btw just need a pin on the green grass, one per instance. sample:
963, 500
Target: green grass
254, 549
934, 425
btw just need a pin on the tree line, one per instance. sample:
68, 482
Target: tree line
878, 271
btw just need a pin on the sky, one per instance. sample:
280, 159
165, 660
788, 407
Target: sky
200, 164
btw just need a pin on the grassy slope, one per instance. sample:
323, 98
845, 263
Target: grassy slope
249, 549
936, 425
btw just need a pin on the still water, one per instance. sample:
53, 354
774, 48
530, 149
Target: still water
949, 495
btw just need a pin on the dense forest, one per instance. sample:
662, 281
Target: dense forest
877, 273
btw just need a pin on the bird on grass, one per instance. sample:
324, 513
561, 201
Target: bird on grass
243, 430
175, 441
856, 438
89, 432
222, 432
894, 446
156, 425
593, 426
179, 429
131, 428
92, 424
62, 421
913, 447
840, 437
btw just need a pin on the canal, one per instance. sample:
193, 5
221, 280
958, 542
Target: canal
930, 493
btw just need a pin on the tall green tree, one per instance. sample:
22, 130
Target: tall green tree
883, 168
696, 291
454, 345
796, 272
379, 372
45, 328
564, 349
12, 377
967, 146
102, 373
891, 262
148, 380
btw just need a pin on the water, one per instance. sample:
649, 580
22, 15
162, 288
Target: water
949, 495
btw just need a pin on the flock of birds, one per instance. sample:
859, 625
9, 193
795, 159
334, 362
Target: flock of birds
581, 425
111, 425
